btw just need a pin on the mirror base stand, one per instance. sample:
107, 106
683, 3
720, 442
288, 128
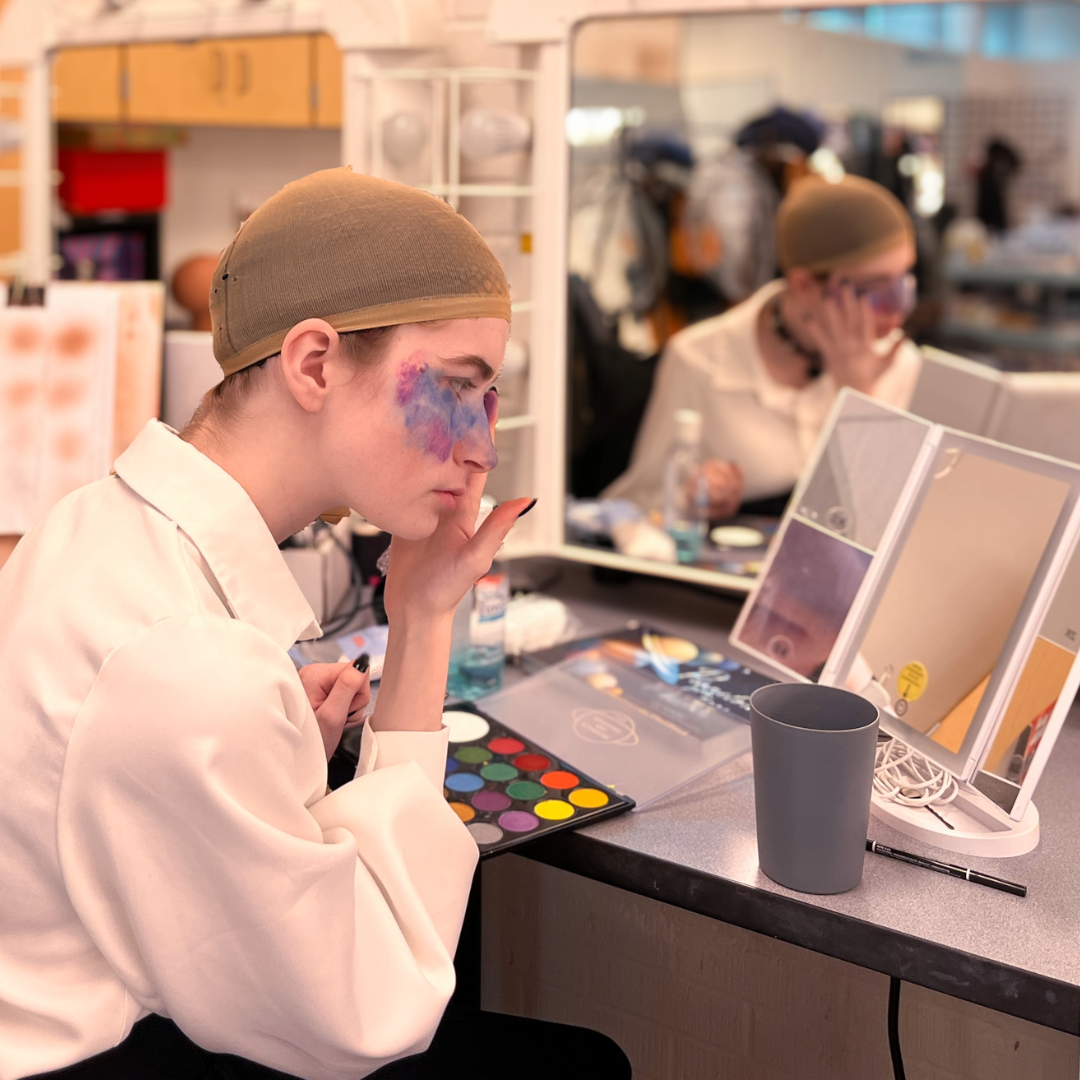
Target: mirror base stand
980, 826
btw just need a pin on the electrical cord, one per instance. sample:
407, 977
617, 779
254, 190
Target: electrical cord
894, 1029
903, 775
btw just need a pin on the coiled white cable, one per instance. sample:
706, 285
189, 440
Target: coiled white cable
903, 775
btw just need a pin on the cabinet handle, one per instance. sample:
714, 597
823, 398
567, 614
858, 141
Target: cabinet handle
218, 84
245, 72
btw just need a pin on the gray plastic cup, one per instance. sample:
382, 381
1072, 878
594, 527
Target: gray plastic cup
813, 749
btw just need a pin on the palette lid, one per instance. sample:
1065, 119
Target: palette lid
609, 713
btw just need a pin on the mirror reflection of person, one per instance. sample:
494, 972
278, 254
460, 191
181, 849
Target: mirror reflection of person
766, 373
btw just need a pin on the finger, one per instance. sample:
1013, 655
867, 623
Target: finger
338, 701
816, 331
360, 701
850, 305
318, 679
866, 316
467, 508
485, 545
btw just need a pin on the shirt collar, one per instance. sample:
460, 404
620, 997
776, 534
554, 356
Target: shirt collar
771, 394
736, 358
224, 524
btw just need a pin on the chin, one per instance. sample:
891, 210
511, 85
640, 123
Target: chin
417, 525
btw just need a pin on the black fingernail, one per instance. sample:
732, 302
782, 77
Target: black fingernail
361, 662
527, 509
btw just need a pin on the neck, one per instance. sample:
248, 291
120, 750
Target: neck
269, 469
794, 361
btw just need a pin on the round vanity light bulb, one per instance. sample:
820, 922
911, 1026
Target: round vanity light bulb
515, 359
488, 132
404, 136
10, 136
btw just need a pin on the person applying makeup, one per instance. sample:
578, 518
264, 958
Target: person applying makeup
182, 897
766, 373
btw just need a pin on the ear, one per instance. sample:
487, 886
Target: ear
308, 355
802, 283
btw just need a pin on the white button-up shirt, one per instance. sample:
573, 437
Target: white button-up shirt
716, 367
166, 843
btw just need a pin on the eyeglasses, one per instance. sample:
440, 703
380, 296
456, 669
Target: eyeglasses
891, 296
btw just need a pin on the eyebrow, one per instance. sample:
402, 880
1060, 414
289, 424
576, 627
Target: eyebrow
478, 363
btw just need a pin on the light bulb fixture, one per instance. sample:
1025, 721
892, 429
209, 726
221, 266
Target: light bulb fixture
10, 136
404, 136
487, 133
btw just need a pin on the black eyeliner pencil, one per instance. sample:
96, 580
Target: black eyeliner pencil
949, 869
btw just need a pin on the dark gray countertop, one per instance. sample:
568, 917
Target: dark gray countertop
697, 850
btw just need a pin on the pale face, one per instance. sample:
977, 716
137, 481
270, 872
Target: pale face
409, 432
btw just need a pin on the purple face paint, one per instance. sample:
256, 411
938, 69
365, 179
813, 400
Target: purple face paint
437, 419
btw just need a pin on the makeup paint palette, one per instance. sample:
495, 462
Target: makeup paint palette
507, 790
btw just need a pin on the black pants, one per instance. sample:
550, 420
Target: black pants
467, 1046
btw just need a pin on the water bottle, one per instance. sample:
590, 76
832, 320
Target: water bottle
479, 652
686, 494
484, 659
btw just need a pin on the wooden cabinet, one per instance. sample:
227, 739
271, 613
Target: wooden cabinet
270, 81
292, 81
11, 80
88, 83
242, 82
326, 82
170, 82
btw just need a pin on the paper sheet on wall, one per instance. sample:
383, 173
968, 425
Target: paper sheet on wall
140, 340
22, 378
80, 385
78, 379
58, 378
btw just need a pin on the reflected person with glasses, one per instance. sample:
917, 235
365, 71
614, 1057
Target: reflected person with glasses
766, 373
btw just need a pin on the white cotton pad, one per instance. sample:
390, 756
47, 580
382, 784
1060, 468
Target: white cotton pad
737, 536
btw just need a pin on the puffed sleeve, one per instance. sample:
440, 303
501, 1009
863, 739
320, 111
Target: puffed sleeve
311, 934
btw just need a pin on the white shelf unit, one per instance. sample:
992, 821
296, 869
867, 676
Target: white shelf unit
374, 92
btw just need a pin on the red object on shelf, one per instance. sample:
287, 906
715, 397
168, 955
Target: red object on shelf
96, 180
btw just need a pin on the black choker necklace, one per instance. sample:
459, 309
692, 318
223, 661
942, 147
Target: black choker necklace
814, 365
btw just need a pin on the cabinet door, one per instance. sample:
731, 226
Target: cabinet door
269, 81
326, 89
241, 82
10, 163
87, 83
178, 82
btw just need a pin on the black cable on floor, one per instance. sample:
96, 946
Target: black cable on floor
894, 1029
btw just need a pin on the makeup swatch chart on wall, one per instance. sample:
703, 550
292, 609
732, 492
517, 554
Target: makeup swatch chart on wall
930, 571
79, 377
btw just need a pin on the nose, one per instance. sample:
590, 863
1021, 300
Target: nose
477, 445
477, 450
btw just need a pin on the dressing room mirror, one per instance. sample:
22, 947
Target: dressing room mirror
683, 134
